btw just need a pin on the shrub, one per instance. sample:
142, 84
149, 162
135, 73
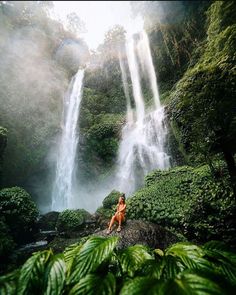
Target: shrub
111, 199
188, 199
6, 241
19, 211
72, 220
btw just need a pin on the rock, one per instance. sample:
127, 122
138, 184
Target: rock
142, 232
47, 222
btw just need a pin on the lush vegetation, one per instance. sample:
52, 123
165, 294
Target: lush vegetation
202, 106
96, 267
190, 200
71, 220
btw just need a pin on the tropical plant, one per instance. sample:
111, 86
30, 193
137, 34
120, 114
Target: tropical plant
97, 267
196, 203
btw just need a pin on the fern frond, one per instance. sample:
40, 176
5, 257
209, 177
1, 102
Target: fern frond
94, 284
55, 275
32, 271
91, 255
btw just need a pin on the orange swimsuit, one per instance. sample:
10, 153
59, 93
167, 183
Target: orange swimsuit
120, 207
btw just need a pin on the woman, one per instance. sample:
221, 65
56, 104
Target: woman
119, 215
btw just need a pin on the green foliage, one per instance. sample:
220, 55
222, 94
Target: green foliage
19, 211
6, 241
71, 220
202, 106
191, 200
97, 267
111, 199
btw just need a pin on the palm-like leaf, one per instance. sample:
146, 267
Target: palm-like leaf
91, 255
8, 283
191, 283
93, 284
32, 272
133, 258
55, 276
70, 255
190, 255
224, 261
140, 286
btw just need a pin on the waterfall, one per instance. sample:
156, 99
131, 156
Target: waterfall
63, 195
142, 148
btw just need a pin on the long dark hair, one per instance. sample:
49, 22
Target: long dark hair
123, 197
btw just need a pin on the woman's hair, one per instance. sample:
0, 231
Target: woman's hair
123, 197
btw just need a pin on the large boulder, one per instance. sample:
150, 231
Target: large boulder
142, 232
48, 221
75, 223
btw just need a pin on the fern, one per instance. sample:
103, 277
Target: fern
91, 255
94, 284
55, 275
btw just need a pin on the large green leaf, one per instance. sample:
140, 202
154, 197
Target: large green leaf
190, 283
8, 283
91, 255
140, 286
32, 272
190, 255
70, 255
55, 275
93, 284
224, 261
133, 258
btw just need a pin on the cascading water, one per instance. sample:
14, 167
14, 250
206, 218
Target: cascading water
143, 139
63, 189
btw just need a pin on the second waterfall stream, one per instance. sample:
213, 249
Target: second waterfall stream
64, 194
142, 147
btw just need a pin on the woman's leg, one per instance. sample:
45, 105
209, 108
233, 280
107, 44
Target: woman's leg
112, 222
120, 219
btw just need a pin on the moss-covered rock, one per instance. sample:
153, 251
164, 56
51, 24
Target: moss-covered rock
20, 213
72, 220
111, 199
48, 221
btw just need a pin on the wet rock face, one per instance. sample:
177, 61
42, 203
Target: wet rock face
142, 232
48, 221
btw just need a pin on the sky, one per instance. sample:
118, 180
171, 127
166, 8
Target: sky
99, 17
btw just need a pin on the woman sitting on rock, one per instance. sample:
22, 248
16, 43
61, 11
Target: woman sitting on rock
119, 215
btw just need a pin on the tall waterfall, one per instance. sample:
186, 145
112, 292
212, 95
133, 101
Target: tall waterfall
63, 189
142, 147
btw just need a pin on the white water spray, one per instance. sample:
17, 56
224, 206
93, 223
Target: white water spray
142, 148
63, 195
